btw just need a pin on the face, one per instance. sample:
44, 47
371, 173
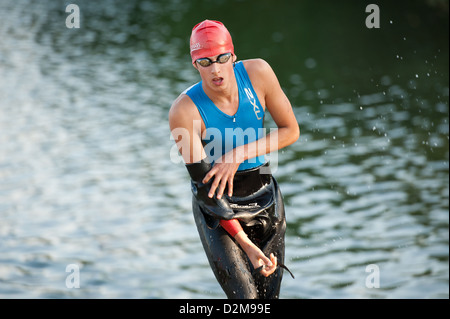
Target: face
216, 71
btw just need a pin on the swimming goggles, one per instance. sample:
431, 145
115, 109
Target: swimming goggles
223, 58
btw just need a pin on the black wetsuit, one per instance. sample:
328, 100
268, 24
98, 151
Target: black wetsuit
257, 203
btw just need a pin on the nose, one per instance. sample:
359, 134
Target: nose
215, 68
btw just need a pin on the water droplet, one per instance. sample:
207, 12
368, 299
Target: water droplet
310, 63
417, 75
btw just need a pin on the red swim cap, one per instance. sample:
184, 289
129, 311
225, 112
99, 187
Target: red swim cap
210, 38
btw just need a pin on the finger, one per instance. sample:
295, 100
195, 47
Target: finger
274, 263
264, 272
223, 183
269, 266
214, 185
230, 187
208, 176
265, 261
273, 259
267, 271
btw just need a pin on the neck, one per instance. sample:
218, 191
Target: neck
224, 97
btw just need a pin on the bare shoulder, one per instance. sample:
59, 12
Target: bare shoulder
260, 73
182, 110
181, 104
257, 67
263, 78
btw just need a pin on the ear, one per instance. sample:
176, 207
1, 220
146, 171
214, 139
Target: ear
195, 65
234, 58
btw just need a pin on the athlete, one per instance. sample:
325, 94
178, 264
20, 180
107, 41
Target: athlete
218, 127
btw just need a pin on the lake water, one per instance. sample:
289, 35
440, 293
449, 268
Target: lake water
87, 171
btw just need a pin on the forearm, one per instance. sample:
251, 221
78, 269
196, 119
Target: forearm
243, 241
234, 228
275, 140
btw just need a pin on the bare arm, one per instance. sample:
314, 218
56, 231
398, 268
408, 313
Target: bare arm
186, 125
280, 109
270, 94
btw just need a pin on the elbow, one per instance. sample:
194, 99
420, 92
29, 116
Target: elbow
291, 136
295, 134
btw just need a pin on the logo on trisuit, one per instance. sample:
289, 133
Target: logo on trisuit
252, 100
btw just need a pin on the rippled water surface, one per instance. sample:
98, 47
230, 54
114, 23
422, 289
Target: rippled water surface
88, 172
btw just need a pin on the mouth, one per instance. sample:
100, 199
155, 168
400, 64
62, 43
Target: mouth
217, 81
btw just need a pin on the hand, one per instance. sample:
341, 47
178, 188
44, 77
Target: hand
256, 256
269, 266
223, 171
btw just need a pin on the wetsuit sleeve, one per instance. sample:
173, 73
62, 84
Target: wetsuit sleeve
217, 208
231, 226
